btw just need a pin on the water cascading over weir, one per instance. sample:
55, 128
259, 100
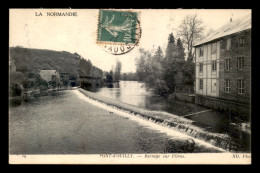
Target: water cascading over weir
172, 121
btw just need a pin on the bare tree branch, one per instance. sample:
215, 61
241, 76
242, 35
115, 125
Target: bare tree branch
190, 31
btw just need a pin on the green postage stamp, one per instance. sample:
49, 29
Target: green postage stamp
119, 31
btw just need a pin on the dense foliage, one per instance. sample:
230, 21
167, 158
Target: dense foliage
164, 73
130, 76
30, 60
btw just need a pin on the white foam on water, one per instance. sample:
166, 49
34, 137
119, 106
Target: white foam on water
146, 123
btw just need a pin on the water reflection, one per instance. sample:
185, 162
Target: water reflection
130, 92
135, 93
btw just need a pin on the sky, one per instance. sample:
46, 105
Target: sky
79, 34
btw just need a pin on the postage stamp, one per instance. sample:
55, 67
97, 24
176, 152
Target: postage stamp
118, 31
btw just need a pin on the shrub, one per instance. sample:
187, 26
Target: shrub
16, 101
15, 90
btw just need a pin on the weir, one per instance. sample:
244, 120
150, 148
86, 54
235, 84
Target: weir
152, 124
172, 122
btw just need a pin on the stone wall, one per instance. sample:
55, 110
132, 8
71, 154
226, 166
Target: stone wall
186, 97
234, 74
223, 105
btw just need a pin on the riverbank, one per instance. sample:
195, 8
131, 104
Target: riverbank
175, 122
30, 95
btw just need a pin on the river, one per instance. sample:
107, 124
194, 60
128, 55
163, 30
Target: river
65, 123
135, 93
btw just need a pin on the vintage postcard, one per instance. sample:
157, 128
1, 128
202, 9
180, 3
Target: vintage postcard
130, 86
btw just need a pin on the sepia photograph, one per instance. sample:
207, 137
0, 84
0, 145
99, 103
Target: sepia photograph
129, 86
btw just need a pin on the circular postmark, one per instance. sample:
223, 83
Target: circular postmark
118, 31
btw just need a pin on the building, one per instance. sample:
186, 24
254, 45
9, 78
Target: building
223, 68
51, 77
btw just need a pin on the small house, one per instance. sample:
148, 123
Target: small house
52, 77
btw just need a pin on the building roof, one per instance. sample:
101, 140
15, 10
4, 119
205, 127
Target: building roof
47, 74
235, 26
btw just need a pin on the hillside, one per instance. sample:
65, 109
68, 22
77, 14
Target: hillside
29, 60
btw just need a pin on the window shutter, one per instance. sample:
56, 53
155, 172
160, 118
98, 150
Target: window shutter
238, 86
237, 62
242, 63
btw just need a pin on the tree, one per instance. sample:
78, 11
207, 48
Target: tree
118, 70
159, 54
96, 72
149, 69
171, 47
15, 90
180, 50
17, 77
109, 77
130, 76
141, 64
164, 73
188, 72
191, 31
173, 63
85, 67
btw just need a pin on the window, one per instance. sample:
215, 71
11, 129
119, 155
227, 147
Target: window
213, 85
240, 63
201, 51
227, 85
228, 43
214, 65
241, 41
222, 44
201, 84
201, 67
53, 77
213, 48
227, 64
225, 44
240, 86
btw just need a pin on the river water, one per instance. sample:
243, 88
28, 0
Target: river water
66, 123
135, 93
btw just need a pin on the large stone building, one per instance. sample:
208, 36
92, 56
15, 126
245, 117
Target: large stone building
223, 68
